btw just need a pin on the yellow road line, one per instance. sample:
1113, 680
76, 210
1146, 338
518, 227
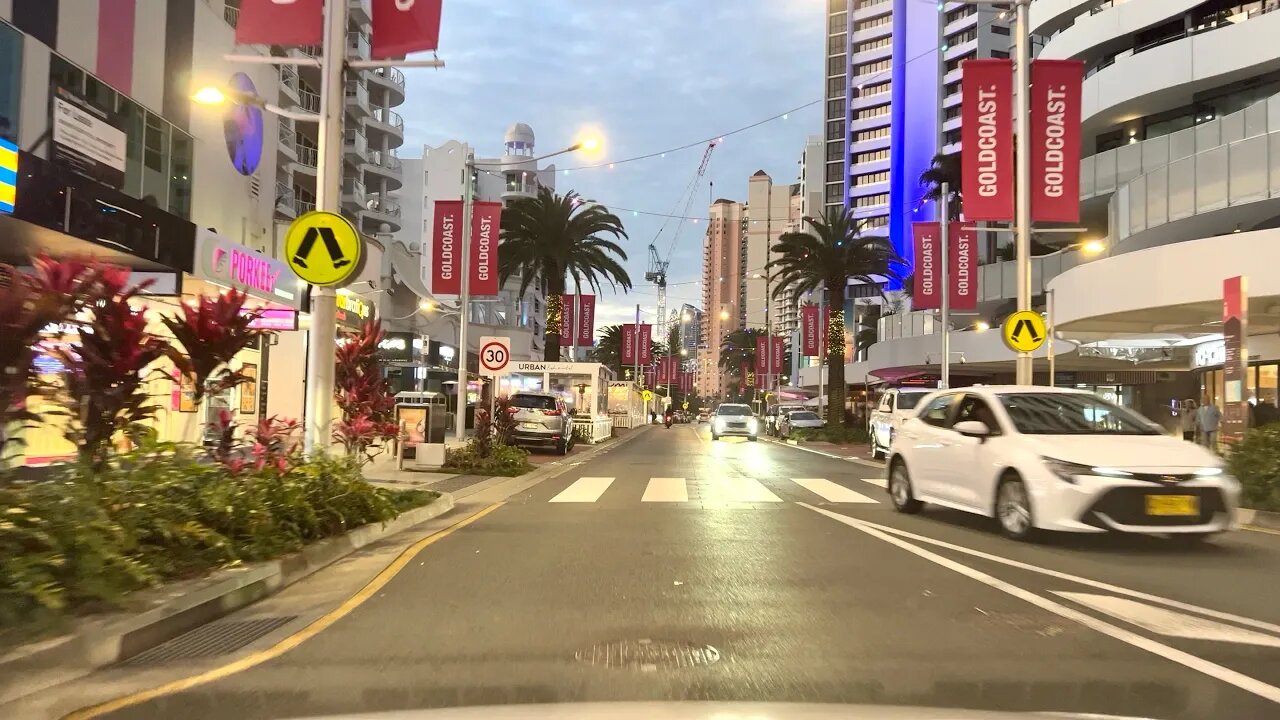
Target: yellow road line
1268, 531
320, 625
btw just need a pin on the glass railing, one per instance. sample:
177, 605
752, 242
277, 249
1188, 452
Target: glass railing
383, 206
387, 160
389, 117
391, 75
358, 93
309, 101
288, 135
308, 156
356, 141
303, 206
354, 189
284, 195
358, 44
289, 78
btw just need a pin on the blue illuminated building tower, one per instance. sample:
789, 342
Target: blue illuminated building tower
893, 102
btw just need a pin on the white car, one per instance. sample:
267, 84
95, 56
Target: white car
896, 405
1039, 458
797, 419
734, 419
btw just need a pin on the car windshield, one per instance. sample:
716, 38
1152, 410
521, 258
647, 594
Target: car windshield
802, 416
907, 401
733, 410
1071, 414
534, 402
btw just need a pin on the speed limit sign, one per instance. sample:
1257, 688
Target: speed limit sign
495, 355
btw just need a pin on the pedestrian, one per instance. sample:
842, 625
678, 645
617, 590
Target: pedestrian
1187, 420
1208, 419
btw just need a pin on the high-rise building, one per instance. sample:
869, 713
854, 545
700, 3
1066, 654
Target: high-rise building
893, 101
438, 175
769, 208
723, 267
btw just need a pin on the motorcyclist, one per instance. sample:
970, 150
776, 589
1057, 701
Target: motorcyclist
668, 417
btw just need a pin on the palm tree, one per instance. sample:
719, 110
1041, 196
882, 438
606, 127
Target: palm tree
551, 237
944, 169
608, 349
828, 256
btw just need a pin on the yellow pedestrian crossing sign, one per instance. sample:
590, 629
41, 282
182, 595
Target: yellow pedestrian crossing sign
322, 248
647, 395
684, 405
1024, 331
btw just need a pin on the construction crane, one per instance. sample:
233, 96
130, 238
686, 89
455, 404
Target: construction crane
657, 273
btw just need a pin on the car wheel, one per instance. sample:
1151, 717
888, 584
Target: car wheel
1013, 508
900, 490
715, 436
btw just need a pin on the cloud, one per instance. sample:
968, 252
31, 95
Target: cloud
653, 75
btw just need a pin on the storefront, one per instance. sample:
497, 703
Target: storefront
1262, 381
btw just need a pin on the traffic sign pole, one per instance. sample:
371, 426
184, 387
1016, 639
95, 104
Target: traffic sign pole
468, 173
322, 336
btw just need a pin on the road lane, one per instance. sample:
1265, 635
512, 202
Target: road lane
522, 605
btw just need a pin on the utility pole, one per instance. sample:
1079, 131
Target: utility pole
468, 179
945, 236
1022, 154
768, 301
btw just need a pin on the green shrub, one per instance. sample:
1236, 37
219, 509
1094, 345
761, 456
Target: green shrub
503, 460
86, 538
1255, 461
837, 434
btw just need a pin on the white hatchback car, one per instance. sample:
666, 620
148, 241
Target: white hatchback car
1057, 459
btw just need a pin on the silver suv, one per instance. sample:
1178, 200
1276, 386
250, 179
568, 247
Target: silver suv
541, 421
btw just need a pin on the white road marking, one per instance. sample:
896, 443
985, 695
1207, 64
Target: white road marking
745, 489
584, 490
832, 492
1107, 587
1227, 675
877, 481
1167, 622
666, 490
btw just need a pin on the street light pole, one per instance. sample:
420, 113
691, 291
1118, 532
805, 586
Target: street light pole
468, 177
1022, 153
322, 336
945, 231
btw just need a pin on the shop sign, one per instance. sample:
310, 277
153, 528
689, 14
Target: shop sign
1209, 354
222, 261
552, 367
8, 175
87, 140
396, 347
353, 310
274, 319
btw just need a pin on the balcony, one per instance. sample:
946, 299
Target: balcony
389, 118
288, 142
353, 195
388, 122
286, 201
357, 95
358, 46
308, 157
391, 79
309, 101
231, 14
379, 211
290, 84
302, 207
386, 168
361, 10
355, 145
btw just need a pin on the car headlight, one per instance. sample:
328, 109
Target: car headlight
1068, 470
1209, 472
718, 423
752, 425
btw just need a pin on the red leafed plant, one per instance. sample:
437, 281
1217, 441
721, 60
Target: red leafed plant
276, 443
364, 396
211, 331
104, 382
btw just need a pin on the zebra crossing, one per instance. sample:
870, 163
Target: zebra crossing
726, 491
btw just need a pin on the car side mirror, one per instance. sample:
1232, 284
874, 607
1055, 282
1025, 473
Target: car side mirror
972, 428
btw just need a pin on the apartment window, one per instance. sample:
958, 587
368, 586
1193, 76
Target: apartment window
835, 130
876, 44
961, 38
951, 88
875, 222
837, 44
835, 109
835, 6
835, 151
952, 65
1000, 54
838, 22
873, 134
871, 200
835, 87
834, 193
10, 81
835, 169
872, 67
876, 88
871, 23
951, 137
871, 112
1000, 29
872, 156
961, 13
836, 65
871, 178
951, 113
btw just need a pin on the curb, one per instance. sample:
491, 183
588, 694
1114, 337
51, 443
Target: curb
798, 446
1264, 519
97, 643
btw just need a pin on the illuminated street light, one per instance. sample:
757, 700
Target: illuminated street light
1092, 247
724, 314
209, 96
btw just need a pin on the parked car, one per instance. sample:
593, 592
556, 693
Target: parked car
734, 419
1038, 458
704, 415
896, 404
542, 420
799, 419
773, 420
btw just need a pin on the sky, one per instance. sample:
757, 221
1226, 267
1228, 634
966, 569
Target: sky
646, 75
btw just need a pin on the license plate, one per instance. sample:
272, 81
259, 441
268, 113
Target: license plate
530, 425
1167, 505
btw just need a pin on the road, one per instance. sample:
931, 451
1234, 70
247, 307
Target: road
675, 568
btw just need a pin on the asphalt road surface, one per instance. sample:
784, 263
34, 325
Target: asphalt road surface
675, 568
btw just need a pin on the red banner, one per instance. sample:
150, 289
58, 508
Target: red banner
628, 351
644, 344
746, 377
566, 320
987, 173
686, 382
404, 26
269, 22
962, 266
586, 320
928, 273
650, 374
446, 248
485, 219
809, 330
668, 371
779, 355
762, 353
1055, 140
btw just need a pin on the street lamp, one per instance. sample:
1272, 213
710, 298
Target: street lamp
1085, 247
590, 143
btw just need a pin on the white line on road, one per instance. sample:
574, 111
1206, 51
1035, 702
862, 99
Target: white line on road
833, 456
1107, 587
584, 490
745, 489
1227, 675
877, 481
1167, 622
666, 490
832, 492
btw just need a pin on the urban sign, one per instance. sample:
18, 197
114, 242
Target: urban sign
226, 262
323, 248
495, 355
88, 140
396, 347
1024, 331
